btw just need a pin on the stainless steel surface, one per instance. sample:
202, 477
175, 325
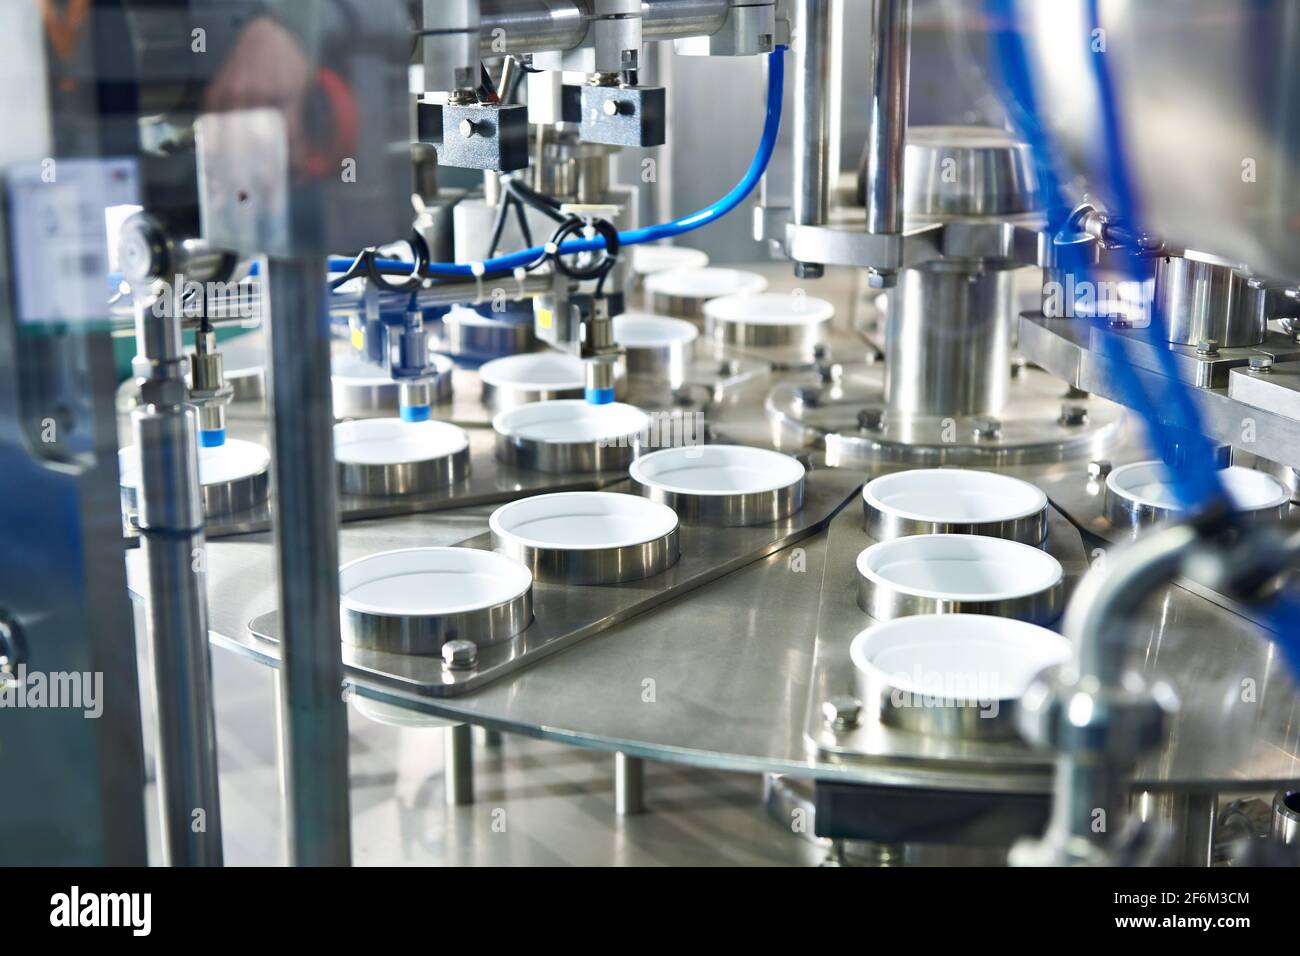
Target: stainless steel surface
465, 332
812, 38
313, 716
617, 564
891, 45
948, 343
564, 614
885, 601
629, 785
1210, 301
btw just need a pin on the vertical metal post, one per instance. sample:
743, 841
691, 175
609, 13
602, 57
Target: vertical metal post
629, 785
313, 717
891, 28
458, 764
812, 84
170, 515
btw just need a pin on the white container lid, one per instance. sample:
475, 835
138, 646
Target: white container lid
1148, 483
770, 308
543, 371
429, 582
235, 460
391, 441
710, 283
583, 521
640, 330
716, 470
995, 657
648, 259
953, 496
960, 567
571, 420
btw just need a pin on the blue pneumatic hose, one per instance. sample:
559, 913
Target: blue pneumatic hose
711, 213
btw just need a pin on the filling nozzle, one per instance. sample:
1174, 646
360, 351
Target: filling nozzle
411, 369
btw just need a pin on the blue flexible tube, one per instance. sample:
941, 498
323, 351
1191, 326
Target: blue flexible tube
632, 237
1195, 487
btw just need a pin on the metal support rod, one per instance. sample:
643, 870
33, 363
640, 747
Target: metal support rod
458, 764
812, 85
629, 785
891, 27
314, 768
172, 542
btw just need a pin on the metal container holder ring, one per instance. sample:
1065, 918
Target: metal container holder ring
722, 485
587, 537
414, 600
389, 456
954, 501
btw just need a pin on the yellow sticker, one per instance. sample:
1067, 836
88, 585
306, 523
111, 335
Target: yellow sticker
544, 318
359, 339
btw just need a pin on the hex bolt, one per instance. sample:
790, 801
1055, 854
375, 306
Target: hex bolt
1099, 469
468, 128
986, 429
1073, 415
459, 654
1261, 364
841, 712
1208, 348
871, 419
809, 395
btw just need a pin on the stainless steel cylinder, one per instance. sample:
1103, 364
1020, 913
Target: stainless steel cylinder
891, 28
812, 93
1284, 827
458, 764
629, 785
948, 341
1208, 301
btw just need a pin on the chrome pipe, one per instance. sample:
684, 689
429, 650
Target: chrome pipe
313, 718
172, 542
458, 764
891, 28
629, 785
812, 85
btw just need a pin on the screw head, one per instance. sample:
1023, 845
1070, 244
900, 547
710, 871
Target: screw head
1261, 363
871, 419
841, 712
809, 395
468, 128
1098, 469
459, 654
1208, 347
986, 429
1074, 415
